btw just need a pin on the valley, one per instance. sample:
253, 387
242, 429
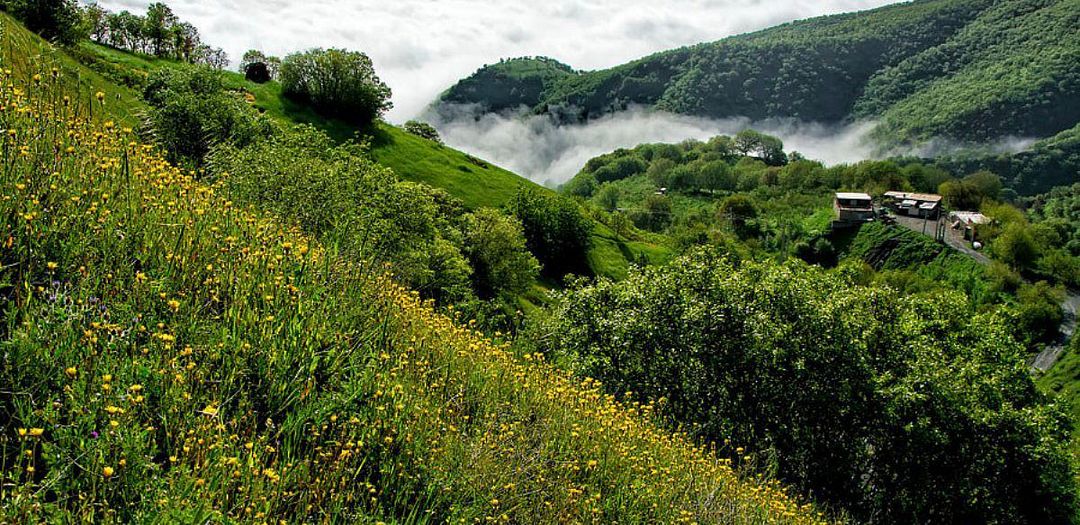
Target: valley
705, 286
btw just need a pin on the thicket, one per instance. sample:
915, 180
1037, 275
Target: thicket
897, 409
191, 111
336, 82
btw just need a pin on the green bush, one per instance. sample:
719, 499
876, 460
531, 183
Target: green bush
495, 245
336, 82
191, 111
895, 409
556, 232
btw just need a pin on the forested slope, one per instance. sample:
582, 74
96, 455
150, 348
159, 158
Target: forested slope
967, 70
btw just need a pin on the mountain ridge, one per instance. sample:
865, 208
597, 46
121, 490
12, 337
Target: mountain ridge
876, 64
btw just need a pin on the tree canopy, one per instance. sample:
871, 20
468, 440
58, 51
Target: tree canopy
336, 81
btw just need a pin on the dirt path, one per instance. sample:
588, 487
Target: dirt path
1070, 306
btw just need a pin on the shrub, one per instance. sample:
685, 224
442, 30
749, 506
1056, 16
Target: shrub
556, 232
892, 408
336, 82
191, 111
495, 245
423, 130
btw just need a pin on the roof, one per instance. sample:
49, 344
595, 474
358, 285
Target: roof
970, 216
923, 197
854, 196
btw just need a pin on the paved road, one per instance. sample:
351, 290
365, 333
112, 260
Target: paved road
1071, 305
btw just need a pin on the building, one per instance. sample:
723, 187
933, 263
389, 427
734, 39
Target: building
969, 221
853, 208
922, 205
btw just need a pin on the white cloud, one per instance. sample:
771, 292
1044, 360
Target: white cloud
535, 147
422, 47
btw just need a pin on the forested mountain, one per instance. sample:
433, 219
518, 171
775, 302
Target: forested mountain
969, 70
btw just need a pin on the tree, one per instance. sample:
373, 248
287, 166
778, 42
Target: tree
185, 41
1016, 246
159, 21
258, 66
608, 198
495, 246
555, 230
765, 147
338, 82
95, 20
423, 130
655, 214
57, 20
737, 210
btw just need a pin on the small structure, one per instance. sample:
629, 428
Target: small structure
922, 205
853, 208
969, 221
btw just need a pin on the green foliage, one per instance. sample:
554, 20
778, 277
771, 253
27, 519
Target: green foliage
190, 111
1039, 312
170, 355
892, 408
970, 192
495, 246
336, 82
422, 130
56, 20
555, 230
967, 70
1016, 246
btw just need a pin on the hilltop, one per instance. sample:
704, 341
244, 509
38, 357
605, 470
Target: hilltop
962, 70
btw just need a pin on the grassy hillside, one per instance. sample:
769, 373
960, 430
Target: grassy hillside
477, 183
963, 69
474, 181
170, 357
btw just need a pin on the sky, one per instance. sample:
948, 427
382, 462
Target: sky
421, 47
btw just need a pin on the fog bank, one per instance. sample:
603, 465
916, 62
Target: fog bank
536, 147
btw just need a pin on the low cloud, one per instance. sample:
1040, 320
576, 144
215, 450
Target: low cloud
536, 147
421, 47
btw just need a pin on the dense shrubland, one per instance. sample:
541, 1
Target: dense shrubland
172, 354
897, 409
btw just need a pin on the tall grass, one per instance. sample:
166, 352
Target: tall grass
168, 356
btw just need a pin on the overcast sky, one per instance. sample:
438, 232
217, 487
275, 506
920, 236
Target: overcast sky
422, 47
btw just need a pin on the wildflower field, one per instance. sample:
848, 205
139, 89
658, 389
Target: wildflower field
168, 356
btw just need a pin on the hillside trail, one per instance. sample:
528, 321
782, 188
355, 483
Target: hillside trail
1070, 306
